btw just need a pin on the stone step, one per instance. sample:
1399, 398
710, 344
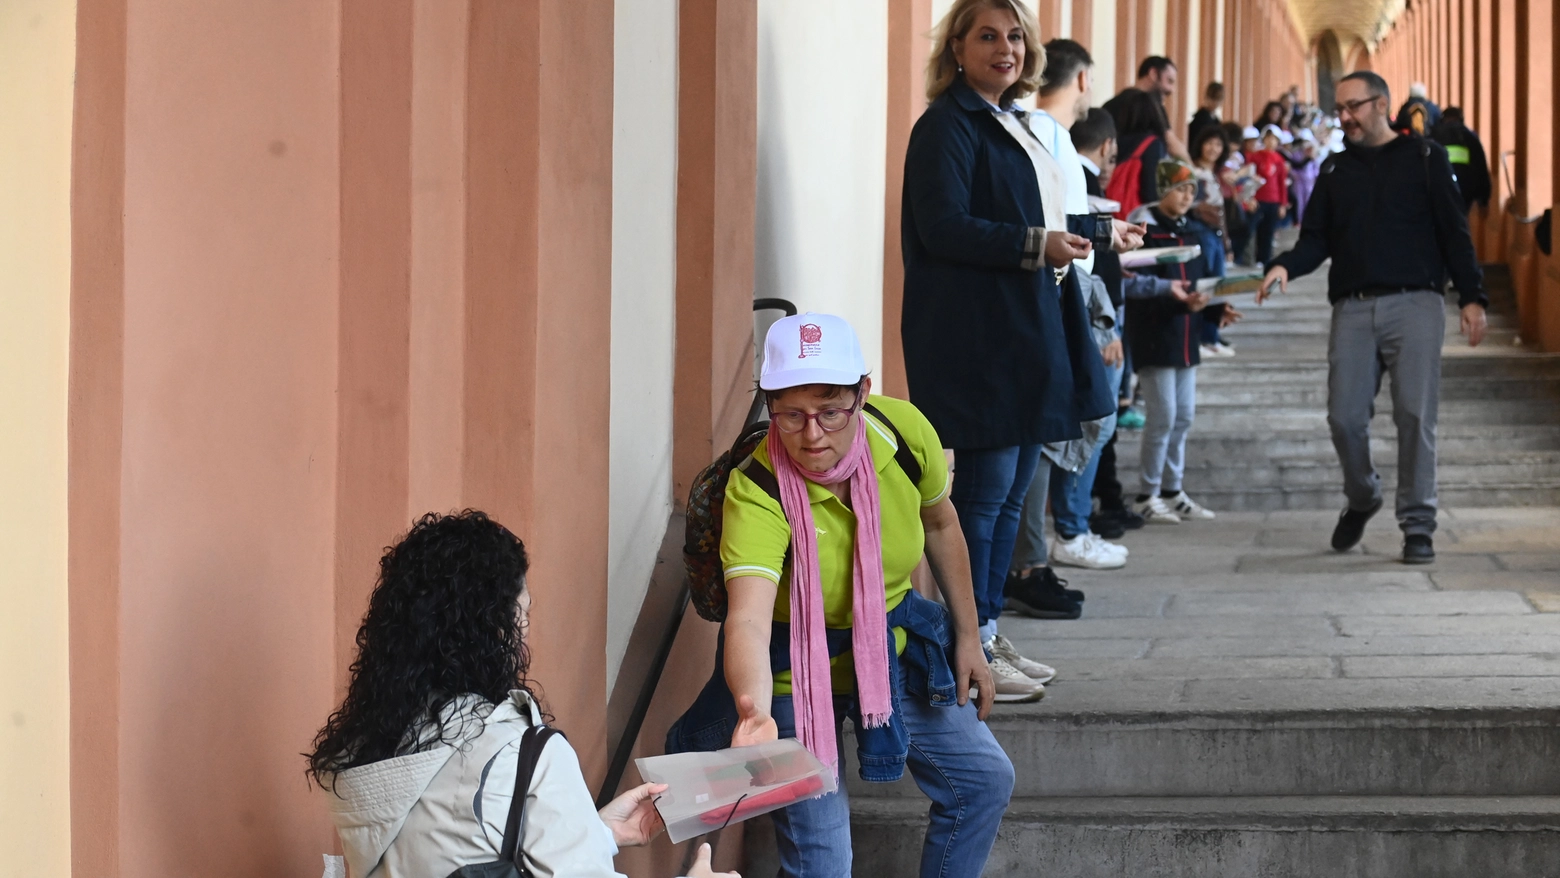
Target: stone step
1246, 370
1271, 498
1454, 440
1545, 391
1364, 751
1275, 837
1230, 418
1530, 468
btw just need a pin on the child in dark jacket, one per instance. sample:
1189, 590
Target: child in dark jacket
1164, 338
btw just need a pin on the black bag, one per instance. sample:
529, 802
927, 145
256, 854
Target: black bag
511, 863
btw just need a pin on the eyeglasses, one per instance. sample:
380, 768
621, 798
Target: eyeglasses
829, 420
1354, 106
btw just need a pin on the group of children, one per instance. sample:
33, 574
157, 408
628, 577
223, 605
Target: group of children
1163, 320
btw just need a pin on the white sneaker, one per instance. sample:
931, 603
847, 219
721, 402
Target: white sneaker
1224, 349
1003, 648
1186, 507
1209, 351
1081, 551
1154, 511
1107, 545
1014, 686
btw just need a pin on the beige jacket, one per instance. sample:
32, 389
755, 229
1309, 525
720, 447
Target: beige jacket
428, 813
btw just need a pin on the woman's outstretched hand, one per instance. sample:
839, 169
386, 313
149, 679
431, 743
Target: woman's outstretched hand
632, 816
701, 866
753, 727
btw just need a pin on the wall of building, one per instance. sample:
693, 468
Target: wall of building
821, 90
644, 305
37, 48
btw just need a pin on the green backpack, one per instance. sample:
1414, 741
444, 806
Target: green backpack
706, 507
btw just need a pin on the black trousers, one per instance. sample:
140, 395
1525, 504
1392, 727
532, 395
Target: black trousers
1106, 486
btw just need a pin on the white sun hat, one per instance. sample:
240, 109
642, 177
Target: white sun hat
1250, 133
811, 349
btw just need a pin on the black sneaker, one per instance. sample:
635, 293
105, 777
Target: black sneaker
1128, 519
1041, 595
1418, 549
1351, 526
1107, 526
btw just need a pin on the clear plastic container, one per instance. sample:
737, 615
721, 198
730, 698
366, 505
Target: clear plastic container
711, 790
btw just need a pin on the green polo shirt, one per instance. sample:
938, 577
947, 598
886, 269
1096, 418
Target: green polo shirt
755, 534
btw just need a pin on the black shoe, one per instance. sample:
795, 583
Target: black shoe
1128, 519
1418, 549
1041, 595
1351, 526
1107, 526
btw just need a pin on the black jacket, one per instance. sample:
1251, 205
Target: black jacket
995, 355
1201, 119
1469, 162
1162, 331
1390, 217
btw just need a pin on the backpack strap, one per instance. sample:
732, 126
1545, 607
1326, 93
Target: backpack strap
531, 745
902, 455
1142, 148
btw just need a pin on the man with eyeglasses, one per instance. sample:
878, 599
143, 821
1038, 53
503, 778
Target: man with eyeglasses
1388, 212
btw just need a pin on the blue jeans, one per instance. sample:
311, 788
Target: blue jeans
956, 762
988, 493
1072, 494
1169, 406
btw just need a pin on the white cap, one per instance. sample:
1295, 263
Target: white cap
811, 349
1273, 130
1250, 133
1306, 135
1285, 137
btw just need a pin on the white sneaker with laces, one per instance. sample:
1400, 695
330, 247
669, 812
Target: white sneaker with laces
1154, 511
1224, 349
1081, 551
1003, 648
1013, 686
1186, 507
1106, 545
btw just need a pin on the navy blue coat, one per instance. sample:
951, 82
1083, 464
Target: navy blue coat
996, 356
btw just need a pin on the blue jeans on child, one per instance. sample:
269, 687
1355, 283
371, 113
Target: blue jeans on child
1169, 406
988, 493
956, 762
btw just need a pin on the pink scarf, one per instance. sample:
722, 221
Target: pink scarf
812, 690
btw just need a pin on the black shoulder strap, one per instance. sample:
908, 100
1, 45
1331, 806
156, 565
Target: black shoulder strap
762, 477
531, 745
902, 455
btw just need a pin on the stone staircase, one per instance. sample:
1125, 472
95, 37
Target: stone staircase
1240, 702
1260, 441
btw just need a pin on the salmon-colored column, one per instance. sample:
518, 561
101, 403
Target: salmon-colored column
1234, 89
907, 54
374, 310
717, 172
1538, 114
538, 331
1178, 46
1207, 52
96, 435
1083, 28
1049, 14
1126, 42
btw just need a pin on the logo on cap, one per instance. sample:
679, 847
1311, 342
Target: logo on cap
812, 341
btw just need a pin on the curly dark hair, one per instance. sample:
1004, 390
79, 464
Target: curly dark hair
443, 621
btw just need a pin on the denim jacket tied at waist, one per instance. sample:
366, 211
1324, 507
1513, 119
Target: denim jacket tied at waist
924, 670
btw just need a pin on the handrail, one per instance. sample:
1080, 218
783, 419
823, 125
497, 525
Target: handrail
636, 717
1511, 191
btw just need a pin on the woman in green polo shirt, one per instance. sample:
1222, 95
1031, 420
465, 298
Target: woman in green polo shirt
822, 621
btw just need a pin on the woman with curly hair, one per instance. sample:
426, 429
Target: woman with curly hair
420, 760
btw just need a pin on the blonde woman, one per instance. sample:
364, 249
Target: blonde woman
997, 346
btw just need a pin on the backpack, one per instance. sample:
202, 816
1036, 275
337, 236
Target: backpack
1126, 182
510, 863
706, 507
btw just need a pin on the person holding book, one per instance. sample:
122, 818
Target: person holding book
1164, 335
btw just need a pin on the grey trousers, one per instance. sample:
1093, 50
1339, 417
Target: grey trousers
1169, 406
1401, 335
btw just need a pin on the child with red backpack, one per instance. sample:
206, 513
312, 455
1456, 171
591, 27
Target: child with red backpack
1140, 141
